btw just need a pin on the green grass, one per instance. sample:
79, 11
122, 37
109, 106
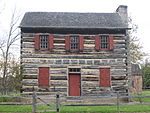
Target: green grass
9, 99
14, 108
20, 108
143, 93
81, 109
104, 109
78, 109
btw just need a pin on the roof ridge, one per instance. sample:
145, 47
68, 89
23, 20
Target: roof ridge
75, 12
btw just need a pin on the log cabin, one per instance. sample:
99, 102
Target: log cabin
76, 54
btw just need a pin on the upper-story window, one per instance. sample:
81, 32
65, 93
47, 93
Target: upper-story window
44, 41
74, 43
104, 42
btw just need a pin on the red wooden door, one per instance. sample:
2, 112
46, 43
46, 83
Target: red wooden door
74, 85
105, 77
43, 78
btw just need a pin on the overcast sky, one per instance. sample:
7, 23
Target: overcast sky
137, 9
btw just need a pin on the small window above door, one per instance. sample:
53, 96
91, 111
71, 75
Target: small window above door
74, 70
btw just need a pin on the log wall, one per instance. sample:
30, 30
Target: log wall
89, 60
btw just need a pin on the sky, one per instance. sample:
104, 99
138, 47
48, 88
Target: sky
138, 10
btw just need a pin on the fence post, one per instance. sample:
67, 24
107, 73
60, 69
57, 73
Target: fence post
118, 104
34, 102
57, 103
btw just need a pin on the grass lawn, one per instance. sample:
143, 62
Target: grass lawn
78, 109
143, 93
104, 109
81, 109
9, 99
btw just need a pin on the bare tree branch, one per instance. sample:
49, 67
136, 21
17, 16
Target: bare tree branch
5, 47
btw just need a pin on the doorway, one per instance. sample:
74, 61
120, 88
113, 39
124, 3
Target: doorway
74, 82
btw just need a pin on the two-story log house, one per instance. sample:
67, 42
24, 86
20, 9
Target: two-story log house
77, 54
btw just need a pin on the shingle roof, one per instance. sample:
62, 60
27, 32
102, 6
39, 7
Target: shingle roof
72, 20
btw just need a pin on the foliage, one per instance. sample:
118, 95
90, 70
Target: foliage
146, 77
13, 77
10, 99
7, 99
136, 53
146, 74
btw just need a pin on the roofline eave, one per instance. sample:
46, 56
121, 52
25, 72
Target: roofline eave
59, 27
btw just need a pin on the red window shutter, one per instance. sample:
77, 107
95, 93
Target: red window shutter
97, 42
67, 42
37, 42
104, 77
51, 41
81, 42
43, 78
111, 42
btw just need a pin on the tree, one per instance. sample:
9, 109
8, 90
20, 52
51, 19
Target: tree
146, 74
136, 53
6, 43
13, 78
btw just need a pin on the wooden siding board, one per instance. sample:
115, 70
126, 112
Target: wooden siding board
30, 76
90, 84
85, 56
30, 89
58, 83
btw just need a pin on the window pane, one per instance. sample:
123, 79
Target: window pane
74, 70
44, 41
102, 45
104, 42
44, 45
102, 39
74, 43
74, 39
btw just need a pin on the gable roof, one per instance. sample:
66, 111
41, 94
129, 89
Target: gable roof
72, 20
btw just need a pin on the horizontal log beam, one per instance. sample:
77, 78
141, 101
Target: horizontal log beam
44, 89
79, 56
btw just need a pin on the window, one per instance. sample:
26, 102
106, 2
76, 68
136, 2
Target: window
104, 42
74, 43
74, 70
43, 42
